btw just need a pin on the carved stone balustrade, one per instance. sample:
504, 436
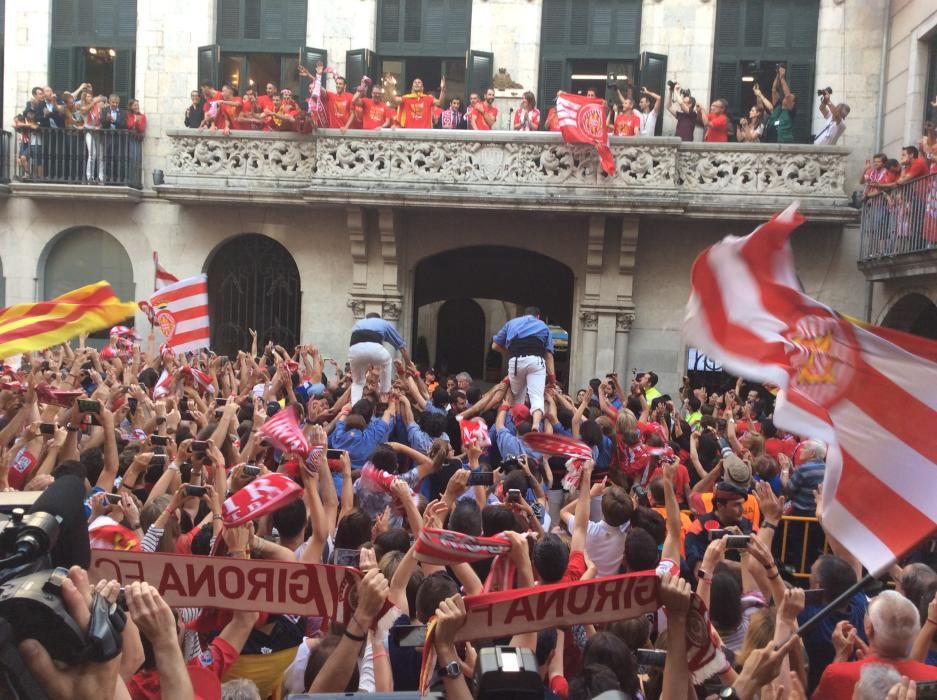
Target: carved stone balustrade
505, 170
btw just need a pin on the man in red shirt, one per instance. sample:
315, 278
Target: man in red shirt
490, 104
338, 105
627, 123
374, 113
716, 122
553, 121
229, 108
265, 101
891, 625
912, 165
416, 107
478, 115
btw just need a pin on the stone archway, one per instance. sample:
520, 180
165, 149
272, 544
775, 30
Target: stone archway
913, 313
253, 282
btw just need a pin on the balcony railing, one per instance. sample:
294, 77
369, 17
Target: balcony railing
5, 140
78, 156
900, 221
507, 170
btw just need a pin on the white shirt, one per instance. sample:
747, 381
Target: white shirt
648, 122
605, 545
830, 132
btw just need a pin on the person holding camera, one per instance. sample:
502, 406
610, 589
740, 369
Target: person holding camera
780, 127
835, 116
750, 129
685, 113
716, 122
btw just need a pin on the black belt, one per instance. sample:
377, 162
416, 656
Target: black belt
363, 336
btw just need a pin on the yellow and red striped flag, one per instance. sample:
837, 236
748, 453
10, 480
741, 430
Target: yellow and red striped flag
28, 327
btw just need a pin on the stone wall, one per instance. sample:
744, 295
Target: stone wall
511, 31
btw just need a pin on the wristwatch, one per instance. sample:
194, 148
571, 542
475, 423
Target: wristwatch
729, 693
453, 669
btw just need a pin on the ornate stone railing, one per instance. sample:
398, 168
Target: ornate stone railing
505, 170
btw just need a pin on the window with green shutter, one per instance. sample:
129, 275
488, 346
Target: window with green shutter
751, 38
93, 41
587, 37
269, 26
438, 28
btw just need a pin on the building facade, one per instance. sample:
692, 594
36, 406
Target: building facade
447, 233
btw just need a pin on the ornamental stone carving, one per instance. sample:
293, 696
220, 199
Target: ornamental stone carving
623, 322
507, 169
357, 307
590, 320
390, 310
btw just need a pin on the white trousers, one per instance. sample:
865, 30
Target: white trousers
362, 356
528, 375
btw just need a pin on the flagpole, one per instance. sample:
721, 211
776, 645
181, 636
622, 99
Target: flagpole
829, 607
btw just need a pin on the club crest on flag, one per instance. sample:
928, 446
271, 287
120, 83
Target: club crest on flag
591, 120
166, 322
822, 358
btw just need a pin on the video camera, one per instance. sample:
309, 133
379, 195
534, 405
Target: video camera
36, 550
828, 91
683, 92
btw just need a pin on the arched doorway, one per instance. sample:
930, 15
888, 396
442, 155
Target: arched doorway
460, 337
498, 279
253, 282
81, 256
913, 313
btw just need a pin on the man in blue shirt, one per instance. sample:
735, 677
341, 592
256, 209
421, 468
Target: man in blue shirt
367, 348
527, 342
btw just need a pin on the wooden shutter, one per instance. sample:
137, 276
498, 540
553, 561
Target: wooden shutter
358, 63
600, 22
412, 21
728, 23
63, 19
105, 19
805, 24
554, 18
127, 19
628, 25
653, 75
296, 20
479, 71
123, 75
579, 26
389, 21
727, 78
229, 20
776, 21
800, 80
458, 25
754, 24
85, 18
271, 20
209, 65
62, 68
552, 78
310, 57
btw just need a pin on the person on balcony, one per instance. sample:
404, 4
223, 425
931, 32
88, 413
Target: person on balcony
316, 100
416, 107
136, 125
194, 112
265, 101
282, 116
684, 112
375, 113
782, 106
750, 129
553, 121
113, 119
478, 116
452, 118
338, 105
90, 108
648, 109
835, 116
226, 110
627, 122
527, 116
30, 157
248, 118
716, 122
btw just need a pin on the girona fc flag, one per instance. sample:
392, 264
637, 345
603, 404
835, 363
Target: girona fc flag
582, 120
870, 393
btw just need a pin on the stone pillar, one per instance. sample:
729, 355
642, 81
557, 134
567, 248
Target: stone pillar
338, 28
374, 285
589, 326
511, 31
623, 323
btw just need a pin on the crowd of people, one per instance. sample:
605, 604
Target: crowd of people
632, 112
83, 147
693, 486
900, 217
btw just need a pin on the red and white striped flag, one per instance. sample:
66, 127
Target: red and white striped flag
163, 277
869, 393
283, 431
582, 120
181, 311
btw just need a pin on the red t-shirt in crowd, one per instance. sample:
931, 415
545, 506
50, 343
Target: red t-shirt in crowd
917, 168
265, 102
477, 121
553, 123
718, 129
627, 124
373, 113
681, 481
575, 567
416, 111
775, 446
839, 679
205, 672
339, 108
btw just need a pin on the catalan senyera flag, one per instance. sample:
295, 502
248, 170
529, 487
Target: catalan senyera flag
28, 327
870, 393
181, 312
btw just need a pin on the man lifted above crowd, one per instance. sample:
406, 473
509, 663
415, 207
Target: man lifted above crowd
527, 342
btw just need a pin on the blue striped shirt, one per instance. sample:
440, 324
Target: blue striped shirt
379, 325
524, 327
804, 481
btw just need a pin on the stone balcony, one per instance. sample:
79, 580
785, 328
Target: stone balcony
505, 170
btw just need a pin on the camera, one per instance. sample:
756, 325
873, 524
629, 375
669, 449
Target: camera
828, 91
611, 81
510, 463
685, 92
671, 84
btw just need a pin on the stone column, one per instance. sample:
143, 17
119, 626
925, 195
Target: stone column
338, 28
589, 326
623, 323
374, 285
